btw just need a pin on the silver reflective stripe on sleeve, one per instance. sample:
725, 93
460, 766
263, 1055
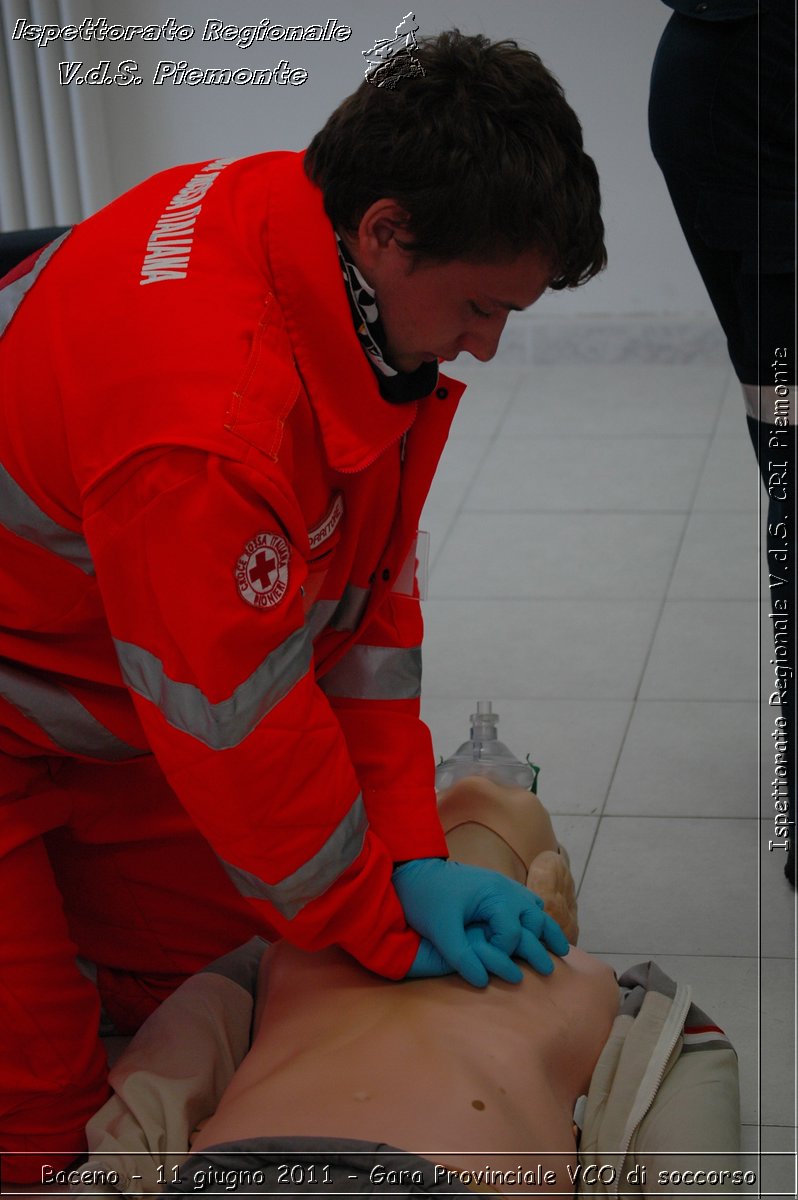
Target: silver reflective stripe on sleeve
223, 724
226, 723
21, 516
314, 877
320, 615
350, 609
61, 716
375, 673
14, 293
342, 615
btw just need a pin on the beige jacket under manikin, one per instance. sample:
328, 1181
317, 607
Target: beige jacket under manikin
662, 1115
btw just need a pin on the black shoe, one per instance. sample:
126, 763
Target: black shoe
789, 866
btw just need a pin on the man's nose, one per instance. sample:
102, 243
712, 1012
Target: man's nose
483, 341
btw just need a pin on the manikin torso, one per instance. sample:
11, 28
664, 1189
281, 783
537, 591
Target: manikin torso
463, 1076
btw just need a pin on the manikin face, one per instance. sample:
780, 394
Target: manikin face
437, 311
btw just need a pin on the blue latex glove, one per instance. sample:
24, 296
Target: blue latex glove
430, 962
441, 899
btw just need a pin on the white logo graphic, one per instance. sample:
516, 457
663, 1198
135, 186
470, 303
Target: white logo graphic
262, 570
390, 60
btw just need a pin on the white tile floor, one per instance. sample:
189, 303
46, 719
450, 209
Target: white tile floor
595, 572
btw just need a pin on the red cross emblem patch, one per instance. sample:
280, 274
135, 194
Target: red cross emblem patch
262, 570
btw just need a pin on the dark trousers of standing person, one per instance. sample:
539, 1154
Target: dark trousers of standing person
721, 120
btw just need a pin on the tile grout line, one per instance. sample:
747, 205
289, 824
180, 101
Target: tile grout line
658, 620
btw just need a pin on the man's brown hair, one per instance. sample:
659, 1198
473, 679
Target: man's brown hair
482, 152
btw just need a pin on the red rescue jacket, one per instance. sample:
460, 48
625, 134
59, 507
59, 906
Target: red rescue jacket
206, 509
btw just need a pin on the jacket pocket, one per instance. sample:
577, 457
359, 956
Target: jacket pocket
269, 388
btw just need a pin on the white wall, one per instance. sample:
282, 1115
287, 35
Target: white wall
601, 51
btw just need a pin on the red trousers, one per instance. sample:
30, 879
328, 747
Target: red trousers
101, 862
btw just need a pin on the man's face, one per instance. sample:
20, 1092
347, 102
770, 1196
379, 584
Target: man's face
437, 311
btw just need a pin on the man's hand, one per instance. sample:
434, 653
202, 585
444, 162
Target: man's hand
430, 962
474, 921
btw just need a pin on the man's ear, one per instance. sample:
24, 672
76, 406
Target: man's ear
376, 235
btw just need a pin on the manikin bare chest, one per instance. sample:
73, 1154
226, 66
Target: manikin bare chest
432, 1066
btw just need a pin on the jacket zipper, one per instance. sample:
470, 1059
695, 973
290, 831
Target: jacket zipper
672, 1031
402, 438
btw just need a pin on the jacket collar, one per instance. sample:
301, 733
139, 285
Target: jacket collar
356, 423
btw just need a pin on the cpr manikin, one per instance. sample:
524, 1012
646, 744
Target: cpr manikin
433, 1065
273, 1058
